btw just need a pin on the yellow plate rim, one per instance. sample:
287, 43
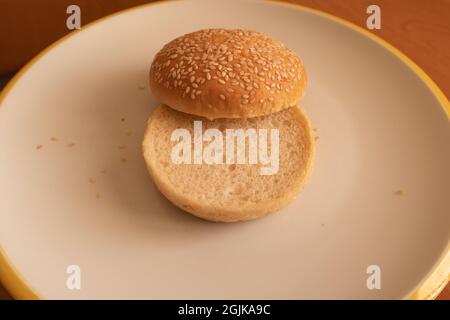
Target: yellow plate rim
429, 288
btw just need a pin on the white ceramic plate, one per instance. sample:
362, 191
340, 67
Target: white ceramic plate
379, 194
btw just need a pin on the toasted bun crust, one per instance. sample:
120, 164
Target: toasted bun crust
230, 192
219, 73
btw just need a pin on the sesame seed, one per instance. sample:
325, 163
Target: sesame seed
221, 96
221, 81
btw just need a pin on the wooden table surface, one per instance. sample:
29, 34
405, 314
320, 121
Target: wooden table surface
421, 29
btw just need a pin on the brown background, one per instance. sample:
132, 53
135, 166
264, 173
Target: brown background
419, 28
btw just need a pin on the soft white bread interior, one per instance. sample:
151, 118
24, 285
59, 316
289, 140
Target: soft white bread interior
230, 192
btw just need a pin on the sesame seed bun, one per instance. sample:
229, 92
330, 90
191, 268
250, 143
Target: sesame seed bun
219, 73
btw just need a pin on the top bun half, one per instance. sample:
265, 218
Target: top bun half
219, 73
